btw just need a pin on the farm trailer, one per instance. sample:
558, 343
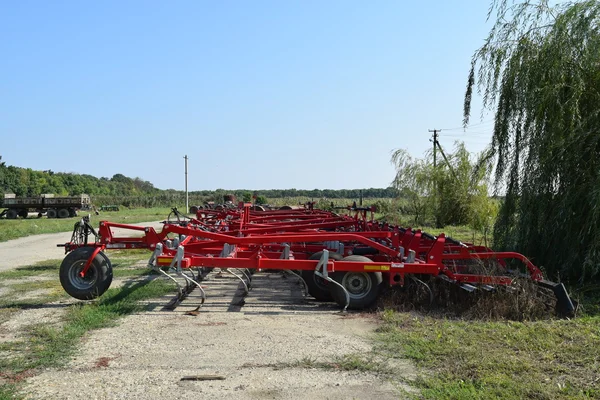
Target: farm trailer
348, 259
53, 207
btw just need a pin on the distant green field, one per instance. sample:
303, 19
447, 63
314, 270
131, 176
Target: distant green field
16, 228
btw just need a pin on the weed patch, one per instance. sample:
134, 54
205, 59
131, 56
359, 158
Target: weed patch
497, 359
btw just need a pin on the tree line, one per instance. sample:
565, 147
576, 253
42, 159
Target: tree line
27, 182
136, 192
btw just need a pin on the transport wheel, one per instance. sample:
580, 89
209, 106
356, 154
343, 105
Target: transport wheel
363, 287
317, 286
285, 208
95, 282
11, 214
193, 209
72, 212
23, 213
51, 213
63, 213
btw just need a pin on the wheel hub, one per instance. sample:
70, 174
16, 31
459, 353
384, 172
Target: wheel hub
81, 282
358, 284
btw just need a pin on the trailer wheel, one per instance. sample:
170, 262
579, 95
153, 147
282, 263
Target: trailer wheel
63, 213
11, 214
317, 286
51, 213
193, 209
363, 287
95, 282
72, 212
23, 213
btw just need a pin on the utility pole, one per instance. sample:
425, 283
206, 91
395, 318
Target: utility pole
187, 203
435, 144
435, 185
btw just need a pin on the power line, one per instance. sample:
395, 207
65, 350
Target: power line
470, 126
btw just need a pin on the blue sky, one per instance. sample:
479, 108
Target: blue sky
258, 94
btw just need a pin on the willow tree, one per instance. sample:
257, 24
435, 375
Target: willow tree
539, 71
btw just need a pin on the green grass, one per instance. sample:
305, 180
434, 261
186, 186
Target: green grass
503, 359
47, 346
41, 268
349, 362
16, 228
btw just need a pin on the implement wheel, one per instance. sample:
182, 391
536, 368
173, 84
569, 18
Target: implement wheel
63, 213
12, 214
95, 282
23, 213
363, 287
51, 213
317, 286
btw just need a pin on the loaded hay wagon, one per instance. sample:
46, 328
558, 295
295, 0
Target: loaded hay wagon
349, 259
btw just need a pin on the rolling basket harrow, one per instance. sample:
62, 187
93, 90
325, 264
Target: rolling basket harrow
348, 259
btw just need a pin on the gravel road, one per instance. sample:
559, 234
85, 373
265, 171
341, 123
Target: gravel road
261, 350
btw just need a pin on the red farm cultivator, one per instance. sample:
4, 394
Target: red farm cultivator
348, 259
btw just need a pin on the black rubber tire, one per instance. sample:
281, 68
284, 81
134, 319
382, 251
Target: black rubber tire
258, 208
317, 286
63, 213
12, 214
72, 212
285, 208
363, 287
51, 213
98, 277
23, 213
193, 209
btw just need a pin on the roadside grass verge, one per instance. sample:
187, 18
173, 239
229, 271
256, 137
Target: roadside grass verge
124, 262
461, 359
45, 346
16, 228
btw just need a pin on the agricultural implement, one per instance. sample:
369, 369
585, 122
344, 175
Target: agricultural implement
349, 259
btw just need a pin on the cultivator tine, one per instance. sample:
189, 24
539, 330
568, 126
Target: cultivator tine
285, 255
323, 265
152, 264
246, 285
420, 282
469, 288
300, 280
193, 283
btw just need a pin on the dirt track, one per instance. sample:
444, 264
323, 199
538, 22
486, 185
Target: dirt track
265, 348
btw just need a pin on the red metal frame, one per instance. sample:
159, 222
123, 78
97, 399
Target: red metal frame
259, 239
